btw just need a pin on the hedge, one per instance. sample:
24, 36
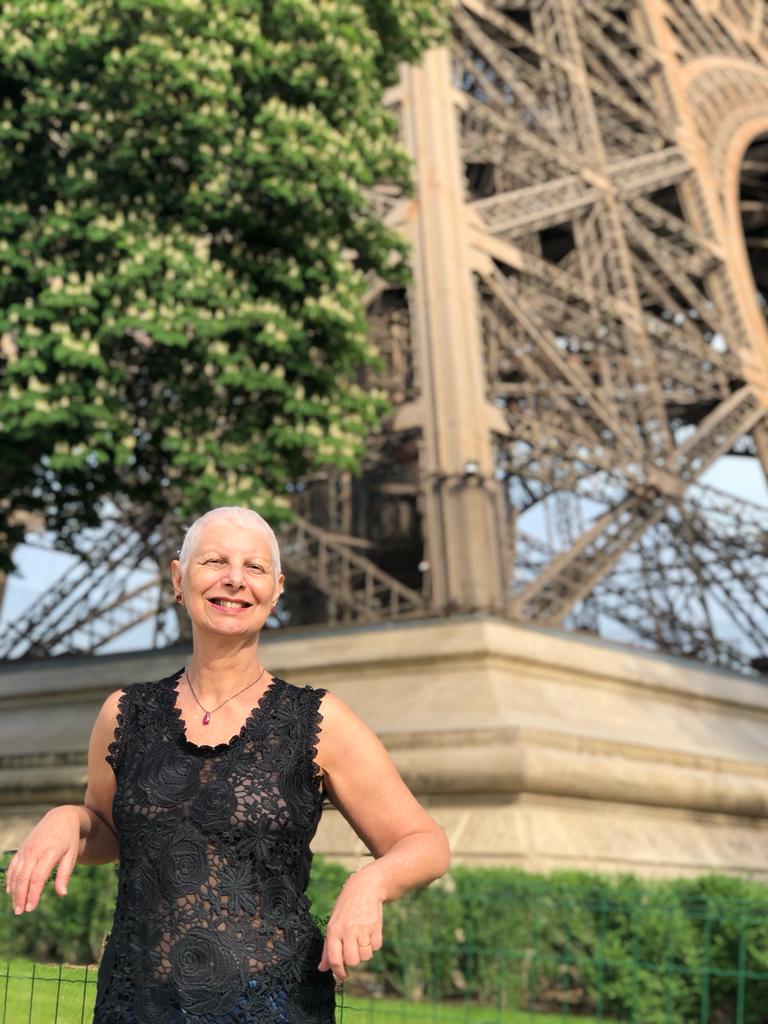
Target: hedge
660, 952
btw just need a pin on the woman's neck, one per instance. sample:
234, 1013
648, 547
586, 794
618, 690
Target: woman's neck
219, 666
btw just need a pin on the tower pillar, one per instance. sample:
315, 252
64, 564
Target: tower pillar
465, 534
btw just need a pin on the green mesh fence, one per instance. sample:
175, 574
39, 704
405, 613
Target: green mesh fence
483, 947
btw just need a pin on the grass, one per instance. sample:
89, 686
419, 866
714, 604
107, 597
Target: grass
32, 993
355, 1010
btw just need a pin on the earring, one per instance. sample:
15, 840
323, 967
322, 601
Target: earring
179, 598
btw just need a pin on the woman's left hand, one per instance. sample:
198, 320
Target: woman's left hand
355, 926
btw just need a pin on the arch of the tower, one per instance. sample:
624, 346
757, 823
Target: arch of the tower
729, 102
746, 198
753, 200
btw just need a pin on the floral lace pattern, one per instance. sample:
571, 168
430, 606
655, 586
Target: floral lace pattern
212, 923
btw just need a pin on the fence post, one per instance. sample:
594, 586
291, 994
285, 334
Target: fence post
32, 992
7, 985
602, 911
742, 976
705, 966
633, 1005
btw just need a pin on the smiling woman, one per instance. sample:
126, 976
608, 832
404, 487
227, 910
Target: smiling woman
208, 787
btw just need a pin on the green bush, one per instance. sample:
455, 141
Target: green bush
422, 944
731, 915
656, 952
325, 881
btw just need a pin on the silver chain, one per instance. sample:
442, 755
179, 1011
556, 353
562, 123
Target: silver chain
209, 713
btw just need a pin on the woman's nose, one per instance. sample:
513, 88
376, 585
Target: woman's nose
234, 575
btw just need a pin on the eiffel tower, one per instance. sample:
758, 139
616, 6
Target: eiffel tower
584, 337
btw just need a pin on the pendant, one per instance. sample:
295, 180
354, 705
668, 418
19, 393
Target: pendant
206, 718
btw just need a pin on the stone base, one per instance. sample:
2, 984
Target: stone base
531, 747
550, 834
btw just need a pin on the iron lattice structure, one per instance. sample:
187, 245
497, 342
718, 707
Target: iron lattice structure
584, 337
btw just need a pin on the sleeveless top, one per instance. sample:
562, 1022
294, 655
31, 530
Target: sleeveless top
211, 922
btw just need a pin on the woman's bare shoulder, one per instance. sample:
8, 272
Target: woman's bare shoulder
111, 702
341, 725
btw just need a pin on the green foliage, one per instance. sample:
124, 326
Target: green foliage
660, 952
184, 234
731, 918
422, 936
325, 882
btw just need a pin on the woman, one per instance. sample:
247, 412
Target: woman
207, 786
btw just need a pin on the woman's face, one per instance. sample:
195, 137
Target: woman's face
229, 584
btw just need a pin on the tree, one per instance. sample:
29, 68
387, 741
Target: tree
184, 234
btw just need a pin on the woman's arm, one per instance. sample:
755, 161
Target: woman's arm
409, 847
97, 831
98, 842
413, 861
71, 833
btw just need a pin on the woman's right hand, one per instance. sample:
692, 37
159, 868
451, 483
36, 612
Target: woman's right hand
55, 840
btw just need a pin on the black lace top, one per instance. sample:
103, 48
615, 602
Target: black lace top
211, 923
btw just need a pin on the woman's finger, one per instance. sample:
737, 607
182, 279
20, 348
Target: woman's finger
64, 872
334, 957
28, 895
20, 885
351, 951
365, 947
9, 874
324, 965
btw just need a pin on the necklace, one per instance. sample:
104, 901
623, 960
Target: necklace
207, 715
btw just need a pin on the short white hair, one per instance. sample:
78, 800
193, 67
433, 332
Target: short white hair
244, 517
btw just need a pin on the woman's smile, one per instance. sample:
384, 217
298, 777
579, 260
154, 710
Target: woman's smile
229, 605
